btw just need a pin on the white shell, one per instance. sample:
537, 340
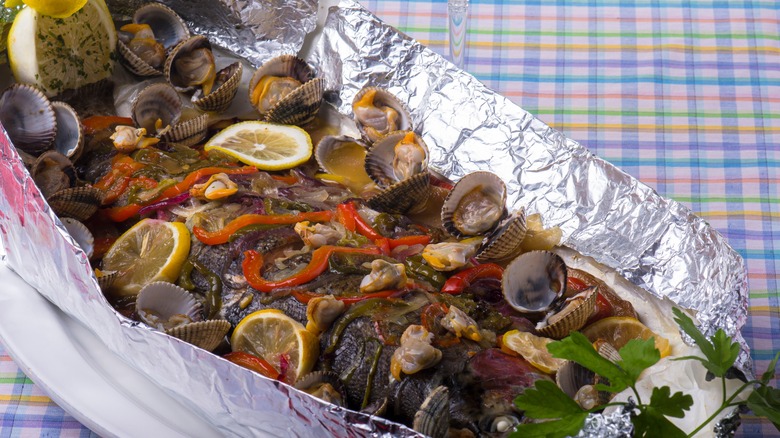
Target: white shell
490, 185
70, 133
28, 117
166, 300
534, 282
80, 234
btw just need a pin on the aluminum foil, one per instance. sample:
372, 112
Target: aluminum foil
604, 213
253, 29
654, 242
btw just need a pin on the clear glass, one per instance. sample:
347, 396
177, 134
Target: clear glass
458, 13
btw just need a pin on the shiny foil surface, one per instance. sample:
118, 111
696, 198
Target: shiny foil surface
253, 29
654, 242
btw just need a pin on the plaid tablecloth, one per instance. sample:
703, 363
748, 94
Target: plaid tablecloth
682, 94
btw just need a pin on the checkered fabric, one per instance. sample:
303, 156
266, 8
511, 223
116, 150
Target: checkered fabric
682, 94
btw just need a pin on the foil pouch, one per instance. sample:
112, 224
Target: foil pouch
604, 213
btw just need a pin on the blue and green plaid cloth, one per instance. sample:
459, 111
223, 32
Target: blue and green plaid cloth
682, 94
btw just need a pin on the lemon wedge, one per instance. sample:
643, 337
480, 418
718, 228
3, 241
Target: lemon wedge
532, 348
57, 54
152, 250
264, 145
280, 340
52, 8
618, 330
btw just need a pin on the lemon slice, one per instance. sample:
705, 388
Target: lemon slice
152, 250
52, 8
264, 145
279, 339
533, 349
618, 330
57, 54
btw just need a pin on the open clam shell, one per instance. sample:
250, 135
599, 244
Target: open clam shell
179, 74
403, 197
299, 106
204, 334
79, 203
225, 89
534, 282
331, 148
169, 29
505, 241
164, 306
378, 113
572, 316
475, 205
388, 164
28, 117
52, 172
69, 140
80, 234
158, 101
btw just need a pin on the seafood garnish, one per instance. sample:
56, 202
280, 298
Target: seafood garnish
377, 266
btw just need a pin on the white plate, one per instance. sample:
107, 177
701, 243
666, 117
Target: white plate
81, 375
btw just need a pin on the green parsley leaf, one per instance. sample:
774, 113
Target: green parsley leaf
720, 353
765, 401
578, 348
674, 406
546, 400
638, 355
769, 374
567, 426
652, 424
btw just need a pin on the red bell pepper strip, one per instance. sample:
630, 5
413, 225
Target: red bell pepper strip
115, 182
410, 241
383, 244
345, 217
575, 285
305, 297
98, 123
290, 179
193, 177
223, 235
254, 363
121, 214
463, 279
361, 225
253, 264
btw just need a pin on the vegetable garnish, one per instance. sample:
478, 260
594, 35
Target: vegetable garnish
650, 418
223, 235
460, 281
253, 263
254, 363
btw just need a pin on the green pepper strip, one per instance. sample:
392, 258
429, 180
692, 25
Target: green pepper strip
185, 277
419, 269
214, 293
253, 263
360, 309
223, 235
372, 371
250, 229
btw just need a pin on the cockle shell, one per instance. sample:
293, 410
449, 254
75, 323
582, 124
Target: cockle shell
79, 203
159, 301
505, 240
28, 117
225, 89
534, 282
204, 334
433, 417
475, 205
380, 158
69, 140
382, 99
80, 234
158, 101
302, 104
577, 314
168, 28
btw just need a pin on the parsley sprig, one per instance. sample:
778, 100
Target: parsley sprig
564, 417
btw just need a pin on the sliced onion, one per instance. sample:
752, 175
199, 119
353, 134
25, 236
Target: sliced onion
178, 199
